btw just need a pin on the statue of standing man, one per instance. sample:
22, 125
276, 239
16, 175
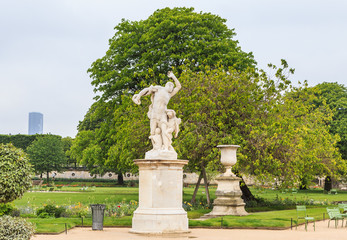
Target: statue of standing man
163, 121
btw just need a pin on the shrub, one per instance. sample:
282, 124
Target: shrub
50, 211
5, 209
15, 229
78, 210
26, 211
121, 209
15, 173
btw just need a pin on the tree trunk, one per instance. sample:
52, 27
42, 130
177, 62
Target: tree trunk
206, 185
246, 193
120, 178
327, 184
196, 188
47, 177
303, 184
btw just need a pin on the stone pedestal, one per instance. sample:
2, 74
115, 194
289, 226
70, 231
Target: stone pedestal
228, 193
228, 201
160, 197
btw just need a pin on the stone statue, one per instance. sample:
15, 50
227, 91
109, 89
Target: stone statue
163, 121
171, 126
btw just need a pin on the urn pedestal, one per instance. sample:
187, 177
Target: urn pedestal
228, 193
160, 197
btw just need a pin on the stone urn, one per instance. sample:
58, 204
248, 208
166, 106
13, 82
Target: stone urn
228, 157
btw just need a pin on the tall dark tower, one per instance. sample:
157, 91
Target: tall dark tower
35, 123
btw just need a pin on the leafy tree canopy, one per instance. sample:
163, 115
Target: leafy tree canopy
15, 173
67, 143
142, 52
281, 136
47, 154
335, 96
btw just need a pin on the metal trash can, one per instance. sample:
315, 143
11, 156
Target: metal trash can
98, 216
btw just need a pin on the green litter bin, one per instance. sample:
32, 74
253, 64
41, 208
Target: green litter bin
98, 216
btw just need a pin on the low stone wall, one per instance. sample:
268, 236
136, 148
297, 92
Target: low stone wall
81, 174
188, 178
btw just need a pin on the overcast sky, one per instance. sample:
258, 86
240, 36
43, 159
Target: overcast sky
46, 48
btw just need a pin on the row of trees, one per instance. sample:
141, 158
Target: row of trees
285, 132
46, 152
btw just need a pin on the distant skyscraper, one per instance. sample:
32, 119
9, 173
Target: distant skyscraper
35, 123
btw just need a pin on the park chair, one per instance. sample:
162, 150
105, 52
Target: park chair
301, 214
343, 207
332, 191
334, 214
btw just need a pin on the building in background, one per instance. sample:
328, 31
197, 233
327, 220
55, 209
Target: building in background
35, 123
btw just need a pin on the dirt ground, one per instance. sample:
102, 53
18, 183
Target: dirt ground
322, 233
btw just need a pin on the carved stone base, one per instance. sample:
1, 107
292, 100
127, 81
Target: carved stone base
160, 198
161, 154
228, 201
159, 221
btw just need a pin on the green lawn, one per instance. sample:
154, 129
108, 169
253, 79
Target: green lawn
57, 225
74, 195
301, 195
114, 195
273, 219
104, 195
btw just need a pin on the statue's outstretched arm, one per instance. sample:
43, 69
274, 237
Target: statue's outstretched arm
144, 92
177, 83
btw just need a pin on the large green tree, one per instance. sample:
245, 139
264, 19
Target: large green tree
15, 173
296, 142
47, 154
92, 145
141, 53
67, 143
335, 96
280, 134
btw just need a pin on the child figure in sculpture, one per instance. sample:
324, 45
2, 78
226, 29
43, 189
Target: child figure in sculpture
172, 125
157, 141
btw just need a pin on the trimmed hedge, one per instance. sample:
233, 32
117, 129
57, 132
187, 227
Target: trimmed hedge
19, 141
22, 141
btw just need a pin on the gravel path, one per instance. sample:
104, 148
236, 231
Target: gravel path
322, 233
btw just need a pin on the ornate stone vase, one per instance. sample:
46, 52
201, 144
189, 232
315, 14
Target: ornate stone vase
228, 157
